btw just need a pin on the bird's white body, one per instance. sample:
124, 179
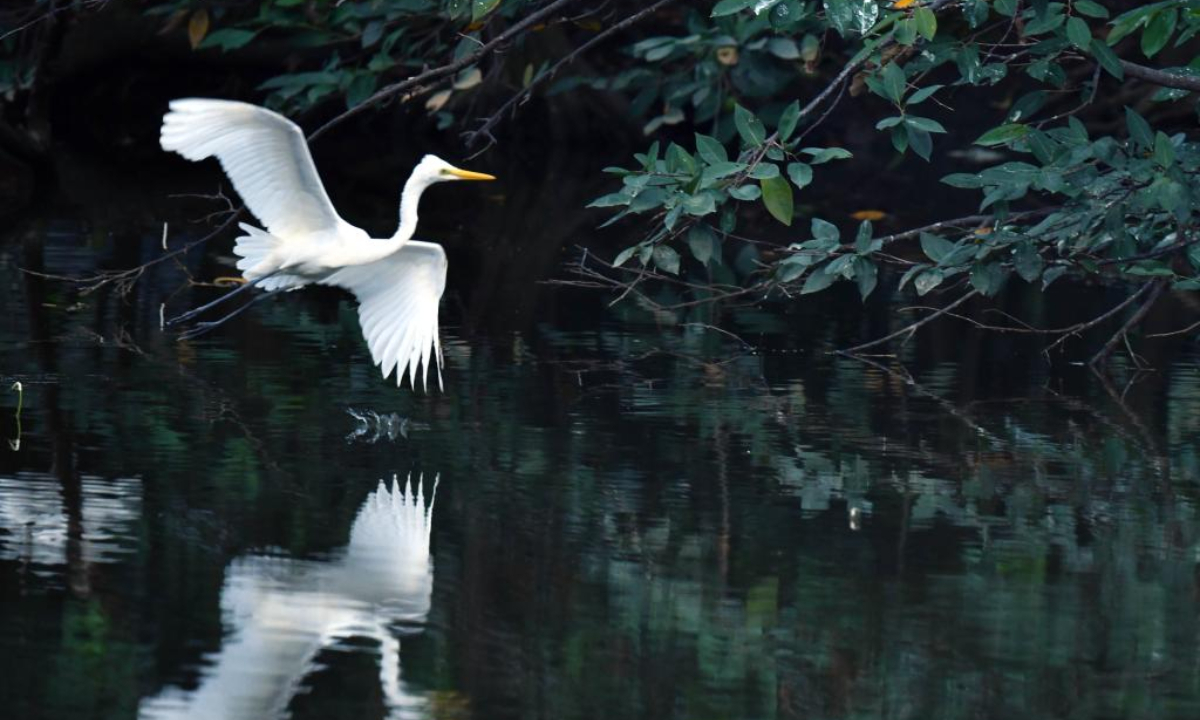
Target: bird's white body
398, 281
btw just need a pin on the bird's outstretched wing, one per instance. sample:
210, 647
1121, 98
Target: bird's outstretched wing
265, 156
398, 308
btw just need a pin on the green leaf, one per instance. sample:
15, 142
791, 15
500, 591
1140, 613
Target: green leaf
783, 48
624, 255
480, 8
910, 274
817, 281
746, 193
1028, 262
718, 170
851, 16
1091, 9
1079, 33
764, 171
700, 204
227, 39
1159, 31
820, 156
749, 126
611, 200
863, 243
1107, 59
800, 173
894, 83
1052, 274
710, 149
935, 248
889, 122
788, 121
923, 94
666, 259
1139, 129
1002, 135
729, 7
988, 278
703, 243
920, 123
928, 280
1164, 151
777, 196
825, 230
926, 22
920, 141
866, 275
966, 181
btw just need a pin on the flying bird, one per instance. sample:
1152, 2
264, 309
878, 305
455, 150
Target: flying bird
398, 281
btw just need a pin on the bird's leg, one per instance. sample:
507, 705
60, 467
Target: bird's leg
203, 327
196, 311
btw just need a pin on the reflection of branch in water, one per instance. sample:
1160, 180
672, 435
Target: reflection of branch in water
373, 427
15, 443
946, 405
1119, 398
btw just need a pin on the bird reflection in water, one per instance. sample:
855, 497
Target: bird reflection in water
280, 614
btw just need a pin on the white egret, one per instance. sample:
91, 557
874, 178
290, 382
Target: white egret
398, 281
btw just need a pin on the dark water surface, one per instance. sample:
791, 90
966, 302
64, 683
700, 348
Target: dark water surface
613, 513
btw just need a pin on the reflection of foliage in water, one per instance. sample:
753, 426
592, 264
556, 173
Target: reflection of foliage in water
638, 522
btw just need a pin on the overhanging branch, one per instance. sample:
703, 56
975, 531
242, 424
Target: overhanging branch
1162, 78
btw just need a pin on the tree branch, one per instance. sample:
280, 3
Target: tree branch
1163, 78
525, 92
1156, 290
442, 71
910, 328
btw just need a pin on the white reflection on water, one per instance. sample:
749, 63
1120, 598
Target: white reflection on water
280, 613
35, 525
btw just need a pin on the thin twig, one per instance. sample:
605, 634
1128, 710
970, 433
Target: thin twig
446, 70
494, 118
1099, 319
1156, 290
909, 329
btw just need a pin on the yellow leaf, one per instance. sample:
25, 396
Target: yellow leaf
872, 215
437, 100
904, 4
197, 27
468, 79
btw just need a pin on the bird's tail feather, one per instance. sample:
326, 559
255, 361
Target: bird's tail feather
254, 248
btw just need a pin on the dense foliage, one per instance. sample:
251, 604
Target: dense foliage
1118, 203
1085, 108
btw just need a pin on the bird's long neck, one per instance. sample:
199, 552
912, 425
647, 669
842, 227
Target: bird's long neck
410, 197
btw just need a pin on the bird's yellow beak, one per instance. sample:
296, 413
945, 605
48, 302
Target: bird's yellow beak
468, 175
